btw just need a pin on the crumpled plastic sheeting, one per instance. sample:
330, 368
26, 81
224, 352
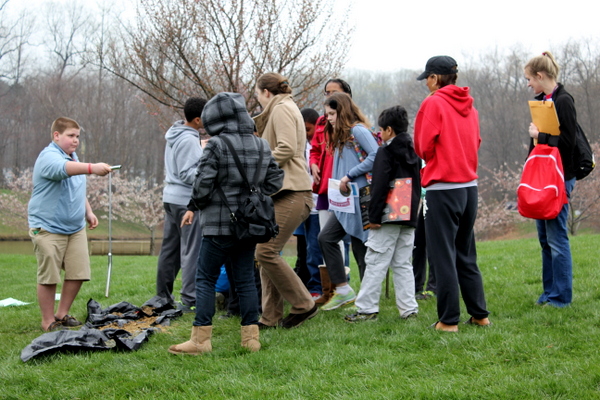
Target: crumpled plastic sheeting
91, 338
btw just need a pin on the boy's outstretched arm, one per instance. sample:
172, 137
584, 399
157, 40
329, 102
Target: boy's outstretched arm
78, 168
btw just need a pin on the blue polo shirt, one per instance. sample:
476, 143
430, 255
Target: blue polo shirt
58, 200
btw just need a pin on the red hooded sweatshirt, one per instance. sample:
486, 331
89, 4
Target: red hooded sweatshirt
447, 136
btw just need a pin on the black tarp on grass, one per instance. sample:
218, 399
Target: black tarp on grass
89, 337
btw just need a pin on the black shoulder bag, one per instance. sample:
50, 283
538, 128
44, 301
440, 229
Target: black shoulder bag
255, 218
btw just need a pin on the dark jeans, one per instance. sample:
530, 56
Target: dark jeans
233, 302
449, 227
329, 237
215, 250
419, 258
309, 255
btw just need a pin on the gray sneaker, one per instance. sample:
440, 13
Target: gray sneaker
359, 317
185, 308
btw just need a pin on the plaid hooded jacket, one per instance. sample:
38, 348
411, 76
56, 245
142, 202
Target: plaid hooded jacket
225, 114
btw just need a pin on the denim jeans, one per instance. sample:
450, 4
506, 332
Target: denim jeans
314, 258
557, 266
213, 253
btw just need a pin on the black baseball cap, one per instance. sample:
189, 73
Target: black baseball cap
439, 65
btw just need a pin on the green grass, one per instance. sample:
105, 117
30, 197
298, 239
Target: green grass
531, 352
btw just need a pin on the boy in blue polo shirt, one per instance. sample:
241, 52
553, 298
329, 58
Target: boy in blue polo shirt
57, 213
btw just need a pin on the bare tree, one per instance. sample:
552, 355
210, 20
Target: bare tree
179, 48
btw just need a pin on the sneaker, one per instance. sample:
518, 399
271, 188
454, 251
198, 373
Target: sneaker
315, 295
294, 320
358, 317
409, 316
425, 295
338, 300
185, 308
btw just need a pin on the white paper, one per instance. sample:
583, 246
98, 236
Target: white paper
12, 302
339, 202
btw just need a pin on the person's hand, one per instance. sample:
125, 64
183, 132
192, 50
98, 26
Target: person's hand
343, 184
316, 173
101, 169
533, 131
188, 218
375, 226
91, 219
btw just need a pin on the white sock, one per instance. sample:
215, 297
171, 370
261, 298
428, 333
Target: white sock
343, 290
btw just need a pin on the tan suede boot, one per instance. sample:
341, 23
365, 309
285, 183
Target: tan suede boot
199, 342
325, 285
250, 337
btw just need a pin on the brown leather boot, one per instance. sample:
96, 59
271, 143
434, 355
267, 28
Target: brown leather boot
199, 342
325, 285
250, 337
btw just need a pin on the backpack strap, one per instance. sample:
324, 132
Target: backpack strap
242, 171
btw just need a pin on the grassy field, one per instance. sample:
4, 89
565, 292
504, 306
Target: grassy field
531, 352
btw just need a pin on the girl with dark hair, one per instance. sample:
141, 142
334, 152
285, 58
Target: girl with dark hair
447, 139
345, 131
282, 125
541, 73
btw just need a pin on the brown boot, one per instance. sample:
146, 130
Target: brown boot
250, 338
325, 285
199, 342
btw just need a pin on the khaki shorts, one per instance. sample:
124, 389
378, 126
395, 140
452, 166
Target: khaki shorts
55, 252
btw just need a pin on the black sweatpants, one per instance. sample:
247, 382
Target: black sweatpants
452, 254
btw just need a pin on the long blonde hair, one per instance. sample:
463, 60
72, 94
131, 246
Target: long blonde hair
543, 63
348, 115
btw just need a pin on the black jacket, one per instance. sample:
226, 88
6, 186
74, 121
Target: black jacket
393, 161
567, 118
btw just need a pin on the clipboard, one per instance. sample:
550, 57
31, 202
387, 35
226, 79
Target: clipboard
543, 115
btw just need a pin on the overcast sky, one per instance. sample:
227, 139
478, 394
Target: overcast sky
395, 34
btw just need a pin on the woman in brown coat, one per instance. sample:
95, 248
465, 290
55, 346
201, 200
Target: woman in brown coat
282, 125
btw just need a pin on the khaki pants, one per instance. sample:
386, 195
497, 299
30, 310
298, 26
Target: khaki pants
279, 281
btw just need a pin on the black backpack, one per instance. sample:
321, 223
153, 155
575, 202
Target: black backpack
255, 219
583, 157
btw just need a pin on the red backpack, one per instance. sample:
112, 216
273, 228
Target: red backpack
541, 193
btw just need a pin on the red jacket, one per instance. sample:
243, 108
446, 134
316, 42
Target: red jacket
320, 155
447, 136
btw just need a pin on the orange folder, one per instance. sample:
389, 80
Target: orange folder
543, 115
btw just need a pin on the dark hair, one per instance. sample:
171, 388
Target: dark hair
193, 108
395, 117
445, 80
274, 83
310, 115
348, 115
343, 84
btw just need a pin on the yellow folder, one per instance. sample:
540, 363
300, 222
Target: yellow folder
543, 115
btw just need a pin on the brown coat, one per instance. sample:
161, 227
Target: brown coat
282, 125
